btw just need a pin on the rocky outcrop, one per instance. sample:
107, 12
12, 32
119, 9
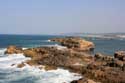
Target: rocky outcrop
102, 68
55, 57
105, 69
75, 43
13, 50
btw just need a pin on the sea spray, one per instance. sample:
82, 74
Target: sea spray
30, 74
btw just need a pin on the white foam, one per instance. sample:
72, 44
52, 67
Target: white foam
8, 60
49, 40
25, 48
59, 47
2, 51
52, 76
33, 73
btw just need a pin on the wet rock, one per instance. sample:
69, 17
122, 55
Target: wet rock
32, 62
48, 67
21, 65
13, 50
12, 64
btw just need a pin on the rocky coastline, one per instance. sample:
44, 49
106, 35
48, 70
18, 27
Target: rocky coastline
76, 57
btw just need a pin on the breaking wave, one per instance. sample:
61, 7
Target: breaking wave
30, 74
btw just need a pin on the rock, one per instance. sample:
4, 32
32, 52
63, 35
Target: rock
75, 68
116, 63
102, 68
13, 50
99, 56
12, 64
75, 43
120, 55
21, 65
83, 80
105, 69
47, 67
30, 53
55, 57
90, 81
105, 73
32, 62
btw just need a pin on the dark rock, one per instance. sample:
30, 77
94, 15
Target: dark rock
120, 55
99, 56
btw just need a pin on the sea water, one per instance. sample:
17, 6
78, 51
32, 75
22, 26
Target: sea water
103, 45
28, 74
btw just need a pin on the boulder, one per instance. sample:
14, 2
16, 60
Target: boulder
13, 50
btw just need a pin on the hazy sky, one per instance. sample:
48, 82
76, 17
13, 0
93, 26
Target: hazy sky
61, 16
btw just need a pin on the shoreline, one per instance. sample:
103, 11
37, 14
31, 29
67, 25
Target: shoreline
99, 68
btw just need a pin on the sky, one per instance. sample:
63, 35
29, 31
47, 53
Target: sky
61, 16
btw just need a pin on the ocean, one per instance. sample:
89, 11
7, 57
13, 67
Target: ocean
12, 74
103, 45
